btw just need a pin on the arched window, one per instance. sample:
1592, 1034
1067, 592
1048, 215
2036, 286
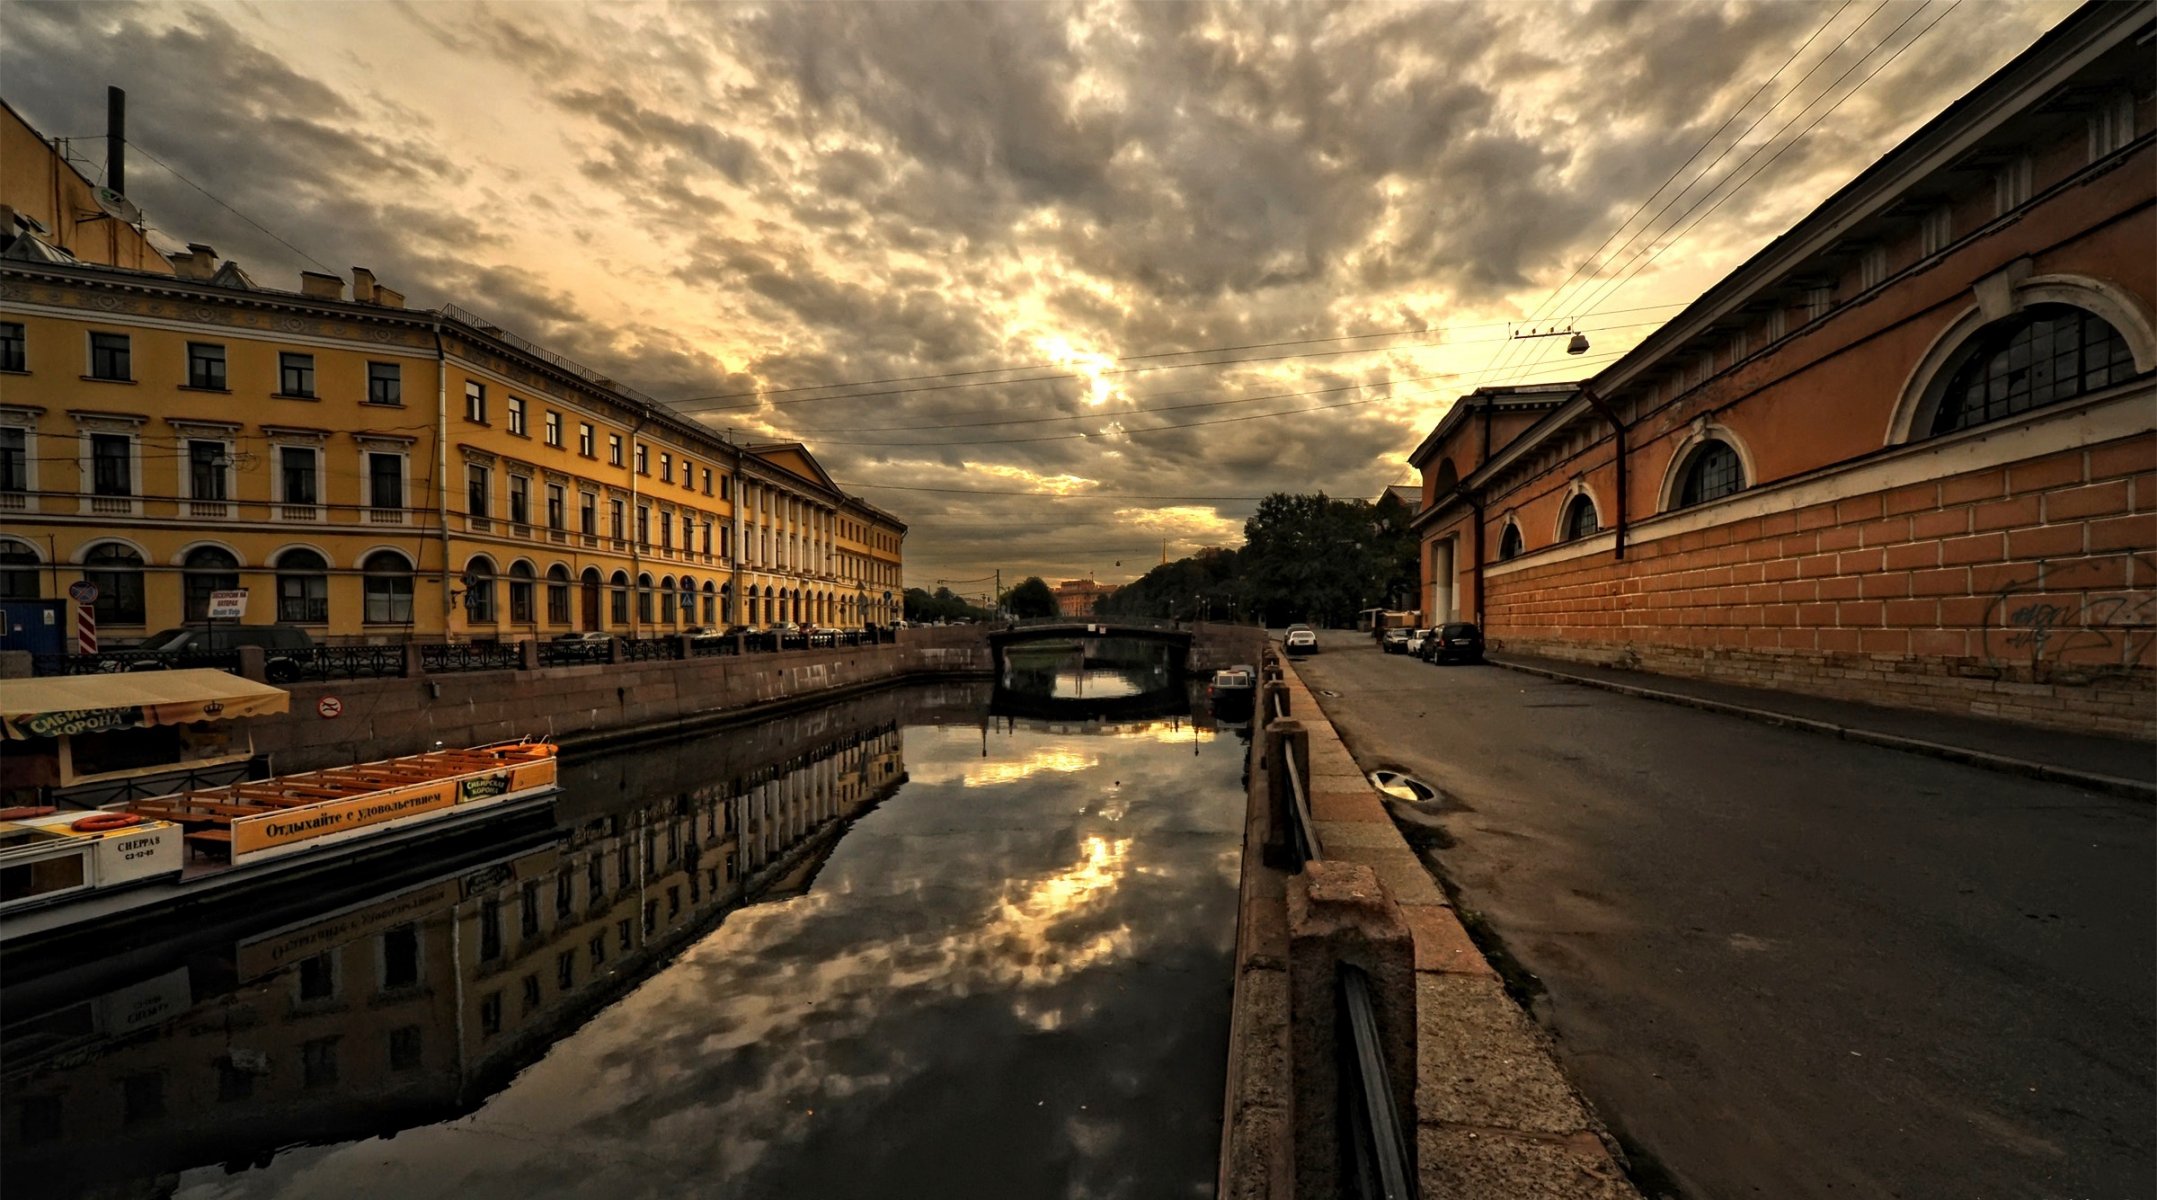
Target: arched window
1712, 473
769, 610
2045, 354
1580, 518
303, 588
726, 602
1509, 542
644, 599
115, 570
520, 593
479, 590
18, 570
618, 598
557, 595
388, 588
206, 569
666, 600
711, 604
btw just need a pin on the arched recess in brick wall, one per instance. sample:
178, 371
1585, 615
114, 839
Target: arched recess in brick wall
2119, 308
1681, 461
1580, 514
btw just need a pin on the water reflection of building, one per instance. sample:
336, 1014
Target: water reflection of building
414, 1006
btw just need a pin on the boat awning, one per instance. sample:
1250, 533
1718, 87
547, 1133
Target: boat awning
69, 704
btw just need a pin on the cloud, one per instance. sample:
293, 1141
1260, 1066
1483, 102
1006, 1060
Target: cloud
706, 201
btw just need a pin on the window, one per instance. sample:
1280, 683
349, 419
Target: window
478, 490
232, 1082
112, 464
666, 468
1872, 267
666, 601
614, 449
666, 530
1818, 300
18, 570
618, 599
115, 570
2111, 124
516, 416
385, 383
206, 366
296, 375
1713, 473
520, 500
479, 590
400, 957
588, 513
1777, 324
1936, 231
554, 429
614, 517
565, 970
387, 588
557, 506
531, 993
520, 593
707, 481
558, 595
644, 524
2042, 355
1738, 347
110, 357
490, 933
318, 977
475, 402
584, 438
490, 1014
598, 950
385, 482
206, 569
207, 470
2011, 187
13, 347
1580, 518
298, 474
644, 460
404, 1048
726, 487
644, 599
303, 588
318, 1062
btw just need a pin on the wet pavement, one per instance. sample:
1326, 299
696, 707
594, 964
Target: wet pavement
894, 947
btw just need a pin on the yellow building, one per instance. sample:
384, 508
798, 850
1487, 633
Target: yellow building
374, 473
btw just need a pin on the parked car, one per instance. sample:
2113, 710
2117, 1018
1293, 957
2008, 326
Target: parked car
1418, 640
1455, 642
1395, 641
1300, 640
278, 642
584, 635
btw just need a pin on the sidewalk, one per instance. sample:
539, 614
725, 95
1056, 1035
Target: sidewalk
2116, 765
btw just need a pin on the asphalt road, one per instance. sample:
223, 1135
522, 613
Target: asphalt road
1783, 965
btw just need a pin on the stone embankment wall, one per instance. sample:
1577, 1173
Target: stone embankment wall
381, 718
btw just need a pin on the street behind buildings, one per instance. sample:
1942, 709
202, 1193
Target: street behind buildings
1785, 965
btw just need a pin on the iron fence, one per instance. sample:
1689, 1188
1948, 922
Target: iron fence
114, 661
569, 654
338, 662
650, 649
469, 656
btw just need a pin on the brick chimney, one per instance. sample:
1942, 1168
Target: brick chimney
198, 261
388, 297
363, 285
318, 286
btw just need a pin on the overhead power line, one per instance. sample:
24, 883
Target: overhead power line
228, 208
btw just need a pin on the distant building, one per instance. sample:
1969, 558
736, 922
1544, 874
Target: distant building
1907, 453
1077, 597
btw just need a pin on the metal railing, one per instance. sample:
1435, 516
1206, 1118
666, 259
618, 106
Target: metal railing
650, 649
1303, 828
569, 654
113, 661
343, 662
1380, 1165
437, 657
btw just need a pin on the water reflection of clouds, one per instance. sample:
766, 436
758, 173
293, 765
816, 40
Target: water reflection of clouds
995, 987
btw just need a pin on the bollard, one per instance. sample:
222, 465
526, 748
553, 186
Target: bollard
684, 647
528, 654
741, 644
254, 664
616, 652
1280, 834
1339, 913
1274, 698
414, 665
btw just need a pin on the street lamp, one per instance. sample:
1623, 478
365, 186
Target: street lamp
1577, 343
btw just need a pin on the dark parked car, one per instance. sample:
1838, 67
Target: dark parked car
1456, 642
277, 643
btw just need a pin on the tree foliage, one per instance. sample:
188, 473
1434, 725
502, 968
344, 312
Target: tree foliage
943, 605
1031, 598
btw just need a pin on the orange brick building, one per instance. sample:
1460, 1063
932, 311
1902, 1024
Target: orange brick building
1907, 453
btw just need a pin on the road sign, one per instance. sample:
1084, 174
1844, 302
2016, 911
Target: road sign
330, 707
229, 605
82, 591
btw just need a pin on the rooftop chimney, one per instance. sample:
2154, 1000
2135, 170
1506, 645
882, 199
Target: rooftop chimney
318, 286
198, 261
363, 285
388, 297
116, 140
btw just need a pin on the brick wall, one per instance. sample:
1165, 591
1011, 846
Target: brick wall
2026, 592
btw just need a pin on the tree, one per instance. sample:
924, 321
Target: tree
1031, 598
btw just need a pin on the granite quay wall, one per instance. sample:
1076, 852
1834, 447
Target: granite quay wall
590, 704
1493, 1117
2026, 592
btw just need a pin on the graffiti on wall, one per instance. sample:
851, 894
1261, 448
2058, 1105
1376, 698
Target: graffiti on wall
2063, 635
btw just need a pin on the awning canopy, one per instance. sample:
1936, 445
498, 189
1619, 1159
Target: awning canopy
69, 704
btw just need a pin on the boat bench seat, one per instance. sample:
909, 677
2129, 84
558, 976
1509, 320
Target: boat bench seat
213, 843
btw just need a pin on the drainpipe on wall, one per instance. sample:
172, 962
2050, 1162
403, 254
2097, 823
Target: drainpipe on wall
1617, 429
441, 465
1475, 505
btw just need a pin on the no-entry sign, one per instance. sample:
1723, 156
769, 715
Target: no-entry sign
330, 707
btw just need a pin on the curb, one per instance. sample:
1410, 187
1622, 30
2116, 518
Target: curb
2133, 789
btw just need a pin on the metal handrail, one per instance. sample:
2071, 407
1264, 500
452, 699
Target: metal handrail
1379, 1162
1305, 829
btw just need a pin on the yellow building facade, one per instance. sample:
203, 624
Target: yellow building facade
373, 473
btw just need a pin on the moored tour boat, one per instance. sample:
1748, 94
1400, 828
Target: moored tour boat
64, 870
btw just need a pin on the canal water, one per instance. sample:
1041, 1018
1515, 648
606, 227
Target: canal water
932, 942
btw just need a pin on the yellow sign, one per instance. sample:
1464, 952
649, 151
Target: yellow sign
252, 835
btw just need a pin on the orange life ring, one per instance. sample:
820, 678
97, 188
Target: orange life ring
105, 822
27, 811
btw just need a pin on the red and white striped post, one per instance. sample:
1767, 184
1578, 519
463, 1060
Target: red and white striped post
85, 629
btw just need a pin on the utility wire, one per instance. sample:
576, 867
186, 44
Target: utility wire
228, 208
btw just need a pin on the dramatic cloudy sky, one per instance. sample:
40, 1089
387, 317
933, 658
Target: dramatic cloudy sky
735, 207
